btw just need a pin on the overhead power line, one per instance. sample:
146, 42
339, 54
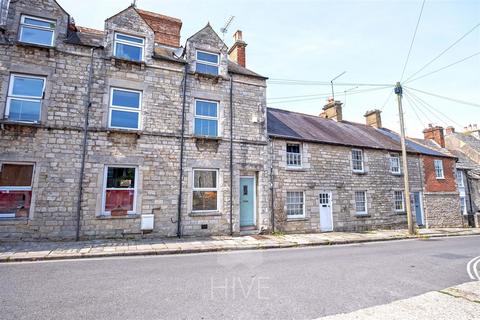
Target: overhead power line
443, 52
411, 98
443, 68
386, 101
324, 83
446, 98
413, 40
412, 106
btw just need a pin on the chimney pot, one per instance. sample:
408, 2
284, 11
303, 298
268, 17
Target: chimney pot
373, 118
436, 134
450, 130
237, 52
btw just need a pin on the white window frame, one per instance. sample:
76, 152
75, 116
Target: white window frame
463, 203
439, 169
460, 182
365, 199
395, 157
3, 188
22, 23
10, 95
206, 189
128, 43
207, 62
111, 107
402, 209
104, 189
353, 161
293, 154
295, 216
217, 118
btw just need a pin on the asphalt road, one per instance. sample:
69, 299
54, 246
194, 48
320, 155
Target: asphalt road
271, 284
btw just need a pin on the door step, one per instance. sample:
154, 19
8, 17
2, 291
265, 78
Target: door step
246, 231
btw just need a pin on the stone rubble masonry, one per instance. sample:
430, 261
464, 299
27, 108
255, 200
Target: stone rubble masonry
54, 146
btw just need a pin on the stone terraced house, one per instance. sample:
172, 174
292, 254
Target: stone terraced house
124, 132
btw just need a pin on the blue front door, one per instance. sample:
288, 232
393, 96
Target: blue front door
247, 201
418, 208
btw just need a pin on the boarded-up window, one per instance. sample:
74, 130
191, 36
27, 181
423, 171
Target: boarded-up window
15, 190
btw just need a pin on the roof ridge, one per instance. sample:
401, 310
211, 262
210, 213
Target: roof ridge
158, 15
88, 29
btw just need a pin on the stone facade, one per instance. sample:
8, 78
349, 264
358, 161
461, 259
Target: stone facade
328, 168
54, 144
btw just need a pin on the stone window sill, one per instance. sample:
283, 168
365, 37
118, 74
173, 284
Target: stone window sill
128, 216
20, 123
357, 215
13, 221
142, 64
396, 174
204, 213
28, 44
126, 131
215, 77
296, 169
297, 219
207, 138
360, 173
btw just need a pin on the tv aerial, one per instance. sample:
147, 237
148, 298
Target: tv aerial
224, 29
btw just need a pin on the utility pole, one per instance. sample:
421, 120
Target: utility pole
411, 227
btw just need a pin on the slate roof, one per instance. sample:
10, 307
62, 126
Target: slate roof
303, 127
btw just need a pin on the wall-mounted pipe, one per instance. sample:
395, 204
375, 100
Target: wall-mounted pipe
231, 155
182, 144
88, 104
272, 191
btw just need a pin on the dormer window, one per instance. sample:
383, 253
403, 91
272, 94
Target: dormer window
207, 62
129, 47
37, 31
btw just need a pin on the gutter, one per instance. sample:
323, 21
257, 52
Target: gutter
84, 143
272, 188
182, 144
231, 155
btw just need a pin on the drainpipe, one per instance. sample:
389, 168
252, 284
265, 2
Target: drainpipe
182, 143
231, 155
84, 143
271, 185
469, 194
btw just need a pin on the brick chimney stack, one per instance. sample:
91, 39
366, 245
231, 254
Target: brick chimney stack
435, 134
373, 118
332, 110
237, 51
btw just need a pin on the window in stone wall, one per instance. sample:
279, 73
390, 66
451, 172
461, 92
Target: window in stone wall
205, 190
395, 163
399, 201
207, 62
25, 96
463, 204
206, 118
295, 205
15, 190
357, 160
129, 47
361, 202
439, 169
120, 190
125, 109
460, 179
37, 31
294, 155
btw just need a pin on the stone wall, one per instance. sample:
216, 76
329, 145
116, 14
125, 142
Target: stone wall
327, 168
442, 209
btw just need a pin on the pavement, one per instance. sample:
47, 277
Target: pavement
43, 250
460, 302
292, 283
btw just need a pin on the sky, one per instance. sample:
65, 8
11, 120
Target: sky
314, 41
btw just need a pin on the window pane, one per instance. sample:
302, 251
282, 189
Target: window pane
205, 179
128, 38
40, 23
37, 36
25, 86
294, 203
15, 203
128, 52
360, 205
120, 177
205, 108
204, 127
124, 119
204, 200
119, 200
24, 110
208, 57
208, 69
295, 148
128, 99
16, 175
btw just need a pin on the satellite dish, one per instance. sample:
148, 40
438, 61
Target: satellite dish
177, 53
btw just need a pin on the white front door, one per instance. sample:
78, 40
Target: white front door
326, 219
